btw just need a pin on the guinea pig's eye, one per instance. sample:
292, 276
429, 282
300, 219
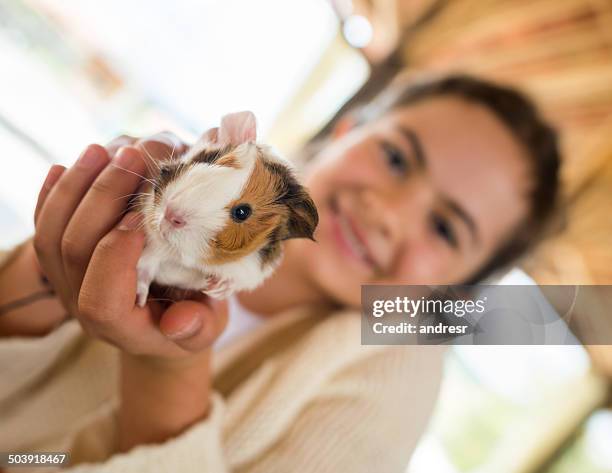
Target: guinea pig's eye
164, 172
241, 212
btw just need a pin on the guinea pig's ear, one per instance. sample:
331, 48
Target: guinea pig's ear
303, 215
210, 136
237, 128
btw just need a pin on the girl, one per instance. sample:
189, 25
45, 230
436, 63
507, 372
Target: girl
439, 182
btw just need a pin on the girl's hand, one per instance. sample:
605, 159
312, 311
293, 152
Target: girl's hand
89, 253
90, 257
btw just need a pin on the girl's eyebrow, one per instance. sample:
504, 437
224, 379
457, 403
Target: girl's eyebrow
415, 143
464, 217
453, 206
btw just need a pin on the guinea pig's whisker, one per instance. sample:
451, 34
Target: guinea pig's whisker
151, 163
160, 299
150, 181
133, 194
133, 206
130, 207
151, 170
149, 156
171, 157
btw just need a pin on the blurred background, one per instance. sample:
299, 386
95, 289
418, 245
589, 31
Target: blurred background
76, 72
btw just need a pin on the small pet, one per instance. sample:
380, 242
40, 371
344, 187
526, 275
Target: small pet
215, 218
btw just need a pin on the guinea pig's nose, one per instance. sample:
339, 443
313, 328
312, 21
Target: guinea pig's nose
174, 218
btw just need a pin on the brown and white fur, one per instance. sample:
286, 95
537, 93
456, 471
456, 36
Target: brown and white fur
195, 237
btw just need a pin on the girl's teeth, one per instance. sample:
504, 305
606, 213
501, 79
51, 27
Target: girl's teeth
351, 238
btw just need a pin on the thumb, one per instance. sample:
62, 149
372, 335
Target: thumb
194, 325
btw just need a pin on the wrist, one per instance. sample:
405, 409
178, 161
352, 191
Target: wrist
164, 364
28, 305
161, 397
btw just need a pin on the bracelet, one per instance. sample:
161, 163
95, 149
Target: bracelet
46, 293
24, 301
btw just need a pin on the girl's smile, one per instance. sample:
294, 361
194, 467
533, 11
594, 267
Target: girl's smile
350, 236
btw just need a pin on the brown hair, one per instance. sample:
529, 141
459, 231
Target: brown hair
520, 115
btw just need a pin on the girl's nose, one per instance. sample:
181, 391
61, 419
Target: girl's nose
401, 214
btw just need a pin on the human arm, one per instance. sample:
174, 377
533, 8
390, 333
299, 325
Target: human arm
165, 381
80, 254
301, 413
29, 306
326, 404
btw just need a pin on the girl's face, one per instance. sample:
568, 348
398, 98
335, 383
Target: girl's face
424, 195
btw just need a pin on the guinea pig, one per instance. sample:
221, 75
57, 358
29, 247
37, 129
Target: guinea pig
215, 217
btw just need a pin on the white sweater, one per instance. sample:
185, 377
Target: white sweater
297, 394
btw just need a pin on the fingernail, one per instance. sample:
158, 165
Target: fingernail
53, 176
166, 138
125, 157
188, 331
91, 157
130, 222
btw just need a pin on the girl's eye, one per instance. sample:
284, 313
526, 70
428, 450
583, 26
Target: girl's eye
241, 212
444, 230
395, 158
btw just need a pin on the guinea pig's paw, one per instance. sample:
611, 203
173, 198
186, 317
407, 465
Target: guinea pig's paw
142, 292
145, 277
219, 288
